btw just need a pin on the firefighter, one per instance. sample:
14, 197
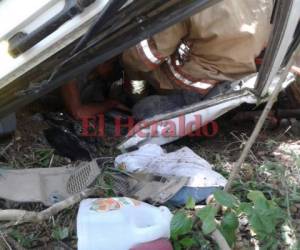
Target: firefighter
293, 91
187, 60
216, 45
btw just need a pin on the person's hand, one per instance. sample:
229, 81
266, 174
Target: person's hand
123, 107
118, 105
296, 69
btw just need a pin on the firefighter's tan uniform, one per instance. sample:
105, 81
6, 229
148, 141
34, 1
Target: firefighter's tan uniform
293, 91
224, 41
297, 60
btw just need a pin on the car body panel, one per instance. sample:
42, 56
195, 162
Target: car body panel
12, 68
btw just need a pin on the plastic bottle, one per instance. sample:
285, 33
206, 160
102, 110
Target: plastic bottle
120, 223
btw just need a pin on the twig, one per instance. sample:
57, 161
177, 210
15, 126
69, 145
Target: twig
51, 161
220, 240
6, 148
5, 241
237, 166
23, 216
242, 142
284, 133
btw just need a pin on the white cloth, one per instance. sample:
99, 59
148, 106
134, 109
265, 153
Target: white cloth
183, 162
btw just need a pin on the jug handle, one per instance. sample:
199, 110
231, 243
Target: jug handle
152, 233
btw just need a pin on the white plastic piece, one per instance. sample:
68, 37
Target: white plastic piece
120, 223
207, 115
184, 162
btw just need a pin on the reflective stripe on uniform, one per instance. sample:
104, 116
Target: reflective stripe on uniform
186, 81
148, 52
149, 55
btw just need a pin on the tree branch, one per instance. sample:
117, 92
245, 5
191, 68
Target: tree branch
218, 237
23, 216
237, 166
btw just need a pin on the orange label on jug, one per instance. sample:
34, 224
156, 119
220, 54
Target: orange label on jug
111, 204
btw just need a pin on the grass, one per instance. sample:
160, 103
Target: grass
273, 167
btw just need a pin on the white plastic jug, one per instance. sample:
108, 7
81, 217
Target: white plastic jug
120, 223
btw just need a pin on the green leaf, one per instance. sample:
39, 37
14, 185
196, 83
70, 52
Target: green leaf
262, 204
230, 221
254, 195
24, 240
229, 226
177, 245
60, 233
225, 199
180, 224
264, 216
259, 225
207, 216
187, 242
207, 212
191, 203
245, 208
208, 226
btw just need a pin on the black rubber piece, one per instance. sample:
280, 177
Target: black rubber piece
66, 144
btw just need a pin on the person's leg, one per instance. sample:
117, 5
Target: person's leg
168, 99
157, 104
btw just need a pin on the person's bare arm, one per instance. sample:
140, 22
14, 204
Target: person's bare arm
71, 97
296, 69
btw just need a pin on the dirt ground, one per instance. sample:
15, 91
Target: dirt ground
281, 147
